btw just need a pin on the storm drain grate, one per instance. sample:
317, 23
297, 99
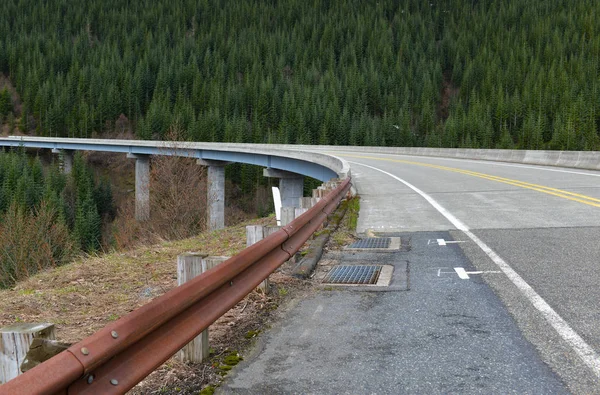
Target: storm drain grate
372, 242
353, 274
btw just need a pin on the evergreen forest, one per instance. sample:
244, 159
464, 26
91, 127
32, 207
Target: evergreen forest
46, 217
442, 73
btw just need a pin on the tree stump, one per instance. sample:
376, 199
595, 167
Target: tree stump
15, 341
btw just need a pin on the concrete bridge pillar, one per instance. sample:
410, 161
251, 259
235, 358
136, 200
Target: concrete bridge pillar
215, 199
142, 186
291, 186
67, 159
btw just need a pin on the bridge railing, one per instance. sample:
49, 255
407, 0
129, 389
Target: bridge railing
116, 358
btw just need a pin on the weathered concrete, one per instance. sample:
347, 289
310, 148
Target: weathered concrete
291, 186
142, 186
215, 194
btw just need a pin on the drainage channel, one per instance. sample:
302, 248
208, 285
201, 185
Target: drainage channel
368, 264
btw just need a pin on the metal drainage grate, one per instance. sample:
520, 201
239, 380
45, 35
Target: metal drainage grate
372, 242
354, 274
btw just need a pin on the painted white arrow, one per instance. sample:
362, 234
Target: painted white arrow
462, 273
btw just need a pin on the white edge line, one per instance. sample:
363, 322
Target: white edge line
462, 273
583, 350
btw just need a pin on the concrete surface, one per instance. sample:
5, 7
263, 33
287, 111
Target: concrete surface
216, 197
142, 187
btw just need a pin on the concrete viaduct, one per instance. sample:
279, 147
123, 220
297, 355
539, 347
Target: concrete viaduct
287, 164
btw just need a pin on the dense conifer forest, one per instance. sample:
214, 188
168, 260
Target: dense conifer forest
454, 73
46, 216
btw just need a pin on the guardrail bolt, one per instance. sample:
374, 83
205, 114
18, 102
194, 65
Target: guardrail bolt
114, 334
114, 382
85, 351
90, 379
231, 284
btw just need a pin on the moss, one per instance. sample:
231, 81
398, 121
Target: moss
225, 367
208, 390
232, 359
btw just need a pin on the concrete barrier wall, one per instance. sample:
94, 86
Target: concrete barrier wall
321, 154
589, 160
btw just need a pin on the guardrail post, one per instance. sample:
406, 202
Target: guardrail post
307, 202
291, 186
288, 214
14, 345
66, 156
142, 186
190, 265
254, 234
215, 193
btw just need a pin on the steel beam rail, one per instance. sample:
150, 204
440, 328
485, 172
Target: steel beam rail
117, 357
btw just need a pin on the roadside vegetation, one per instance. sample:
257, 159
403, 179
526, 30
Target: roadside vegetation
47, 217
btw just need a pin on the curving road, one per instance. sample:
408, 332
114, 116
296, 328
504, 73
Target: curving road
525, 320
542, 222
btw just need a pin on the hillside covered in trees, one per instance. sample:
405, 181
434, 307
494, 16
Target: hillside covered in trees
453, 73
46, 216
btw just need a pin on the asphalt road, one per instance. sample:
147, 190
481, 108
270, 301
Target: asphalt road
530, 323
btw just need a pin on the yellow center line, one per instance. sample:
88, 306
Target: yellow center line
526, 185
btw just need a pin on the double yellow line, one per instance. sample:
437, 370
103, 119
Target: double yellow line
527, 185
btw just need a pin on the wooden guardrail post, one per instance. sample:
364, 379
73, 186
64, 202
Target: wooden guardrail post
190, 265
14, 344
254, 234
288, 214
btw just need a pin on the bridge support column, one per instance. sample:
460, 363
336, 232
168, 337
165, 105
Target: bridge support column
142, 186
215, 199
66, 155
291, 186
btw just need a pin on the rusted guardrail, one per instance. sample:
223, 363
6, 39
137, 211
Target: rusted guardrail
116, 358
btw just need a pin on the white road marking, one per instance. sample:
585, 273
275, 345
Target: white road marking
442, 242
484, 272
581, 348
461, 273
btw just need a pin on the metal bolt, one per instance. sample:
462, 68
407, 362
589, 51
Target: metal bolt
114, 334
85, 351
231, 284
90, 379
114, 382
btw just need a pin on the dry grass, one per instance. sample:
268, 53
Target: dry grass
82, 297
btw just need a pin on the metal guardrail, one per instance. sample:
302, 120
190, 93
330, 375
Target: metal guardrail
116, 358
